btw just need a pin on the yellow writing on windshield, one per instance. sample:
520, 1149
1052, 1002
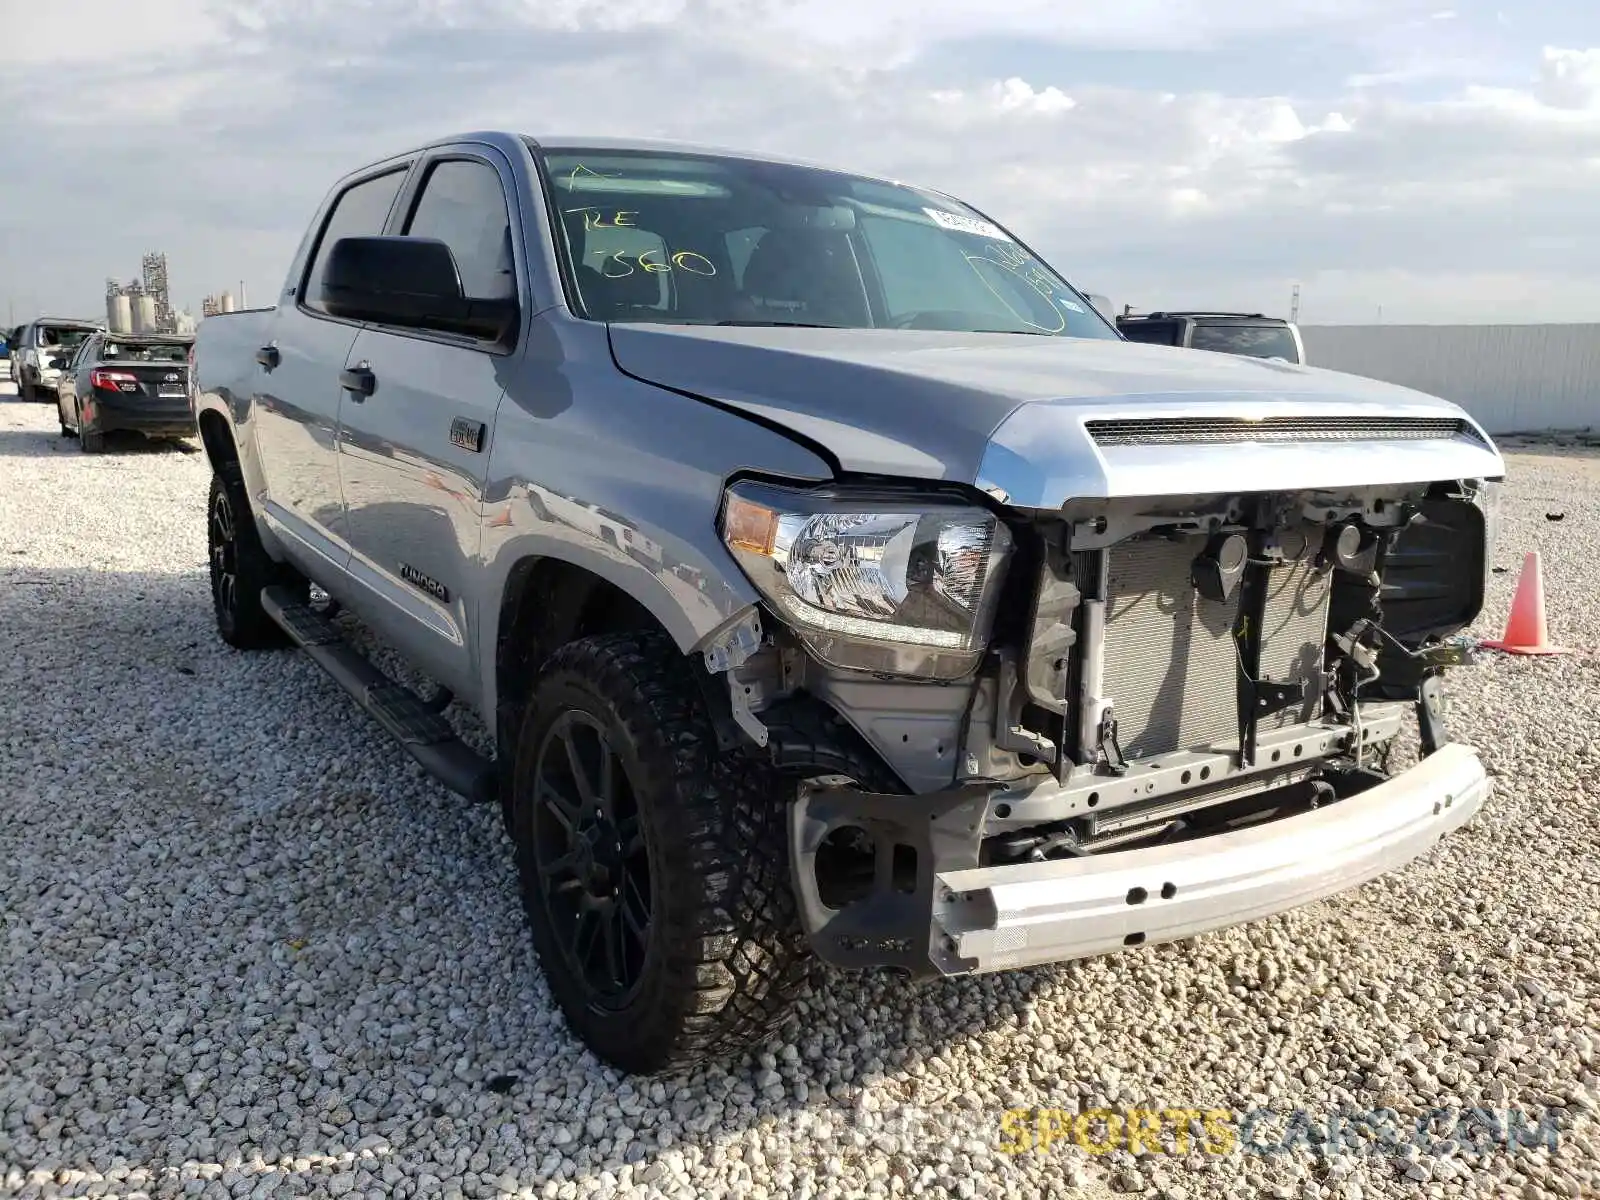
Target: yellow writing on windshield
617, 266
582, 172
1015, 261
597, 218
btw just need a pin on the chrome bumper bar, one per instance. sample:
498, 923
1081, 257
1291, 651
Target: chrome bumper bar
1023, 915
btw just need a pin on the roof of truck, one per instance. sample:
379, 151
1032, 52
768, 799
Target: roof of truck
506, 141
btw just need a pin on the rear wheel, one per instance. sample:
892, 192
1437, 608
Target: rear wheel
90, 441
241, 567
654, 870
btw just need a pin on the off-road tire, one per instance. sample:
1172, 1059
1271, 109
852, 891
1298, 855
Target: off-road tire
25, 391
724, 956
243, 623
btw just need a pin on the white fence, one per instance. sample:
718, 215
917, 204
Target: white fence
1512, 378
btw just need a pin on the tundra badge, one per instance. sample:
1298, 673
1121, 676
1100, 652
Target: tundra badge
418, 580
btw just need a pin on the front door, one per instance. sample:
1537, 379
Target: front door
297, 397
414, 451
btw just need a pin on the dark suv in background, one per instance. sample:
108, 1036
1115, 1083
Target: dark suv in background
1249, 334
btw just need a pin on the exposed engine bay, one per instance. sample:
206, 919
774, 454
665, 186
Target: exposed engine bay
1159, 671
1183, 658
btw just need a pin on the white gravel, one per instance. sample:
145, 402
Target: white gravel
247, 949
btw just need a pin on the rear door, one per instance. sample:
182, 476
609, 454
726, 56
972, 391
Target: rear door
74, 378
414, 452
296, 408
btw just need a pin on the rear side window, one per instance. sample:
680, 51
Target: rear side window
1155, 333
1252, 341
360, 211
463, 205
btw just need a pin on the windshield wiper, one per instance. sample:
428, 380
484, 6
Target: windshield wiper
781, 324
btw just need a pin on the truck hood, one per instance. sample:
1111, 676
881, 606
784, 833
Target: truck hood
1022, 417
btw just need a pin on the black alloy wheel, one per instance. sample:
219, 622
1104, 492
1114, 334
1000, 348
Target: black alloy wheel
240, 567
654, 866
591, 858
223, 541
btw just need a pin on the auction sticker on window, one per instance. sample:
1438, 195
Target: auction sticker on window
960, 223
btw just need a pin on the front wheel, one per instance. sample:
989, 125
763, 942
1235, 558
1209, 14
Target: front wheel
240, 566
654, 870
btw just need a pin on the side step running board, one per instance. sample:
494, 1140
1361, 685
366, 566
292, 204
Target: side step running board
421, 731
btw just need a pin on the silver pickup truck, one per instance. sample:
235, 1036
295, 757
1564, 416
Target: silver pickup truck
837, 583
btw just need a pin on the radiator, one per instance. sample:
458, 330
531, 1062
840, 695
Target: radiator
1171, 666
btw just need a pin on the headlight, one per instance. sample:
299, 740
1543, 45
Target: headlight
877, 584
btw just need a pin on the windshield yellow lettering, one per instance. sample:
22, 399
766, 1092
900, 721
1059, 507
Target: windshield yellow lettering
695, 264
692, 262
596, 218
582, 171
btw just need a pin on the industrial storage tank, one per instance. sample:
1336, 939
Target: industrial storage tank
119, 313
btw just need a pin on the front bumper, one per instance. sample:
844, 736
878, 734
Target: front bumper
961, 917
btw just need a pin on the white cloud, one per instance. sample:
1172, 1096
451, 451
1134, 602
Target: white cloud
1569, 78
70, 33
222, 138
1015, 95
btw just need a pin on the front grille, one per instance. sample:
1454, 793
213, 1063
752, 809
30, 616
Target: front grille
1171, 665
1161, 431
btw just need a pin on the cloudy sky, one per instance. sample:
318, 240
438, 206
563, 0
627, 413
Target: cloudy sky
1437, 158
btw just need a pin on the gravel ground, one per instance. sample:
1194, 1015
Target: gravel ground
248, 949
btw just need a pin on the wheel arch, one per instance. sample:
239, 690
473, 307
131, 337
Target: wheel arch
217, 438
548, 600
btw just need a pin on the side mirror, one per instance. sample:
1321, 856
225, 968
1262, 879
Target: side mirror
56, 363
409, 282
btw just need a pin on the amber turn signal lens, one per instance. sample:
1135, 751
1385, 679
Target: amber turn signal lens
749, 526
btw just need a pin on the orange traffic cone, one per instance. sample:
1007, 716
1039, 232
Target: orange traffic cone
1525, 629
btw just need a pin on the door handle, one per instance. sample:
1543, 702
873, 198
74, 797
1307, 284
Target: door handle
358, 380
268, 357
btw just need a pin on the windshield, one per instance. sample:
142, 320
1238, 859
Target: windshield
1253, 341
176, 352
66, 339
650, 236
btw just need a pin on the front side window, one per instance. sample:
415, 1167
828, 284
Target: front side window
463, 205
1252, 341
360, 211
690, 239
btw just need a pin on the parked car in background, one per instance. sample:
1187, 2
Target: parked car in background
1252, 335
39, 344
115, 383
949, 631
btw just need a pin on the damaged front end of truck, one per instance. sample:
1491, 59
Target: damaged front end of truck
1144, 678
